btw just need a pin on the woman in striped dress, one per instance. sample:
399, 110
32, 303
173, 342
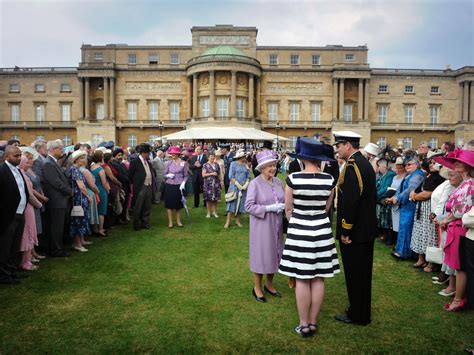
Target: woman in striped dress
310, 251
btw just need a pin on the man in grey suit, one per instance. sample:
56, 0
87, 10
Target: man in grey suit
58, 189
159, 167
40, 146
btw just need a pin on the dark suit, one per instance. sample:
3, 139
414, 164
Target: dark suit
356, 218
142, 194
58, 189
227, 160
197, 178
11, 223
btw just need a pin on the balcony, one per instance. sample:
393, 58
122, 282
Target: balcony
37, 124
431, 127
149, 124
298, 124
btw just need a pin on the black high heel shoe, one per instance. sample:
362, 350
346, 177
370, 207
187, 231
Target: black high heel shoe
259, 299
274, 294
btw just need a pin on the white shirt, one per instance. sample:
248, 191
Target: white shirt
21, 187
147, 171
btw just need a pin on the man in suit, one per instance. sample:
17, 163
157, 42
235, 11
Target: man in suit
159, 167
40, 146
12, 219
356, 226
141, 176
195, 164
58, 189
227, 155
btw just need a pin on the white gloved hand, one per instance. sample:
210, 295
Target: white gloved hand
181, 187
281, 207
169, 176
272, 208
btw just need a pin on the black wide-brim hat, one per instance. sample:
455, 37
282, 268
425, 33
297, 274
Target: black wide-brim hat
144, 148
311, 149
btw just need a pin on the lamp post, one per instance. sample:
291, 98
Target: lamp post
277, 128
160, 127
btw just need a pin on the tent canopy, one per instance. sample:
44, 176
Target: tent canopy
230, 133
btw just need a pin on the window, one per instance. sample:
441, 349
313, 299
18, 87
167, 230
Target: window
96, 139
39, 112
350, 57
382, 111
382, 143
408, 109
98, 56
293, 141
222, 107
14, 87
39, 88
383, 89
316, 59
153, 59
99, 111
409, 89
67, 141
15, 112
294, 111
132, 140
273, 111
433, 142
65, 88
348, 112
153, 111
132, 108
240, 108
407, 143
174, 111
434, 90
174, 58
152, 139
434, 114
315, 111
273, 60
205, 107
65, 112
132, 58
295, 59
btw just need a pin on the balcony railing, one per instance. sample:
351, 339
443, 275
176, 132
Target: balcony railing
38, 70
413, 126
37, 124
297, 124
149, 123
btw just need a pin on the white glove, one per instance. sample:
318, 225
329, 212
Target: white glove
181, 187
273, 208
281, 207
169, 176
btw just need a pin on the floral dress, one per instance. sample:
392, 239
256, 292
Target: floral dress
212, 185
79, 226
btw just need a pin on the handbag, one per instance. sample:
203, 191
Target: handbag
435, 254
230, 196
77, 211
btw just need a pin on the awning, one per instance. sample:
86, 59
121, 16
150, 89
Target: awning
229, 133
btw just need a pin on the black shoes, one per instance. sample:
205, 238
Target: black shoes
9, 281
346, 319
258, 299
274, 294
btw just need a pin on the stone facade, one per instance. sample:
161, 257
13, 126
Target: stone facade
132, 94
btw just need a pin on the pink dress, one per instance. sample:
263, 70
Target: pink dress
30, 238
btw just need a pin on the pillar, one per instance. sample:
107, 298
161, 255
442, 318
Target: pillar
212, 95
251, 94
471, 103
460, 105
195, 95
257, 112
87, 100
334, 99
360, 100
366, 100
106, 98
189, 96
233, 94
341, 99
465, 102
81, 98
112, 98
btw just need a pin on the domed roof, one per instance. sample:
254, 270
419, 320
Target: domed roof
224, 50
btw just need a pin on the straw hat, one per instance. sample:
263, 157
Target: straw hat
77, 154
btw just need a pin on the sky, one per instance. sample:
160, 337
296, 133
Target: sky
427, 34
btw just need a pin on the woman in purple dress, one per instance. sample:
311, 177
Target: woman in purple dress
265, 203
212, 185
176, 174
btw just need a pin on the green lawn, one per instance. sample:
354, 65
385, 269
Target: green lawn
188, 290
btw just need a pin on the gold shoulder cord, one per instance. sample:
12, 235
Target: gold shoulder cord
340, 181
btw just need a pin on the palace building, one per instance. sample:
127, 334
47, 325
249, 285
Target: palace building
131, 94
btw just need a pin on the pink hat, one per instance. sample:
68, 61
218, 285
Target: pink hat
464, 156
174, 150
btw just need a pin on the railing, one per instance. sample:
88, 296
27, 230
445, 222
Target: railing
413, 126
37, 124
297, 124
149, 123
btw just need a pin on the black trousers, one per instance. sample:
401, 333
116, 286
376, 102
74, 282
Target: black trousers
197, 190
467, 262
10, 241
142, 207
55, 231
358, 260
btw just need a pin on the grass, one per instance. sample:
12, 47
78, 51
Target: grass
188, 290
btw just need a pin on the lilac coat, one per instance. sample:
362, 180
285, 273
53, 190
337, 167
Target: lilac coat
266, 228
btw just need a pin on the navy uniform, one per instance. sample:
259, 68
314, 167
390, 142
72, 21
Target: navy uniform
356, 219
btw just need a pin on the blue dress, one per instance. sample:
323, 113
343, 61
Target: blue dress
241, 173
79, 226
407, 211
102, 206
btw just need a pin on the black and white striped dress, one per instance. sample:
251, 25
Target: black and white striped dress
310, 249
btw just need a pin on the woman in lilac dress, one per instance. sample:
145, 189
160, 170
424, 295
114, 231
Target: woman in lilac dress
265, 203
176, 174
212, 185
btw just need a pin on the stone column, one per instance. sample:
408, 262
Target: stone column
233, 94
195, 95
112, 98
189, 96
257, 112
360, 100
212, 95
341, 99
460, 102
106, 98
366, 100
87, 100
471, 103
334, 99
466, 102
81, 98
251, 84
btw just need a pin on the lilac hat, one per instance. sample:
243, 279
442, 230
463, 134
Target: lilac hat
174, 150
265, 157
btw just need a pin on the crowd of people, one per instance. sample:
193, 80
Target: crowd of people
418, 202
